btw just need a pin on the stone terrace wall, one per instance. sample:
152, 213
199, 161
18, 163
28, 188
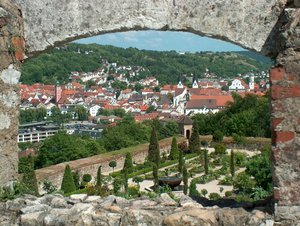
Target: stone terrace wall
90, 165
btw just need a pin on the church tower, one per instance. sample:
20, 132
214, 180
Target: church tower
58, 92
251, 83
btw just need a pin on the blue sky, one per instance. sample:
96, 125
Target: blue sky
162, 41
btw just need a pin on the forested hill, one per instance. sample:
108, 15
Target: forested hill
166, 66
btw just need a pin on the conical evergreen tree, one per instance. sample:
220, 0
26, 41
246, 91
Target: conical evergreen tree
76, 178
174, 154
125, 179
155, 176
128, 162
194, 142
153, 151
99, 177
180, 162
68, 184
29, 178
232, 163
206, 161
185, 180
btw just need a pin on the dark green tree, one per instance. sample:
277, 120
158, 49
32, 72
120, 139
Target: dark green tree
218, 136
206, 161
194, 142
99, 177
112, 164
76, 178
137, 180
128, 165
155, 176
174, 153
180, 162
153, 151
125, 179
117, 183
232, 163
29, 178
68, 184
185, 180
81, 113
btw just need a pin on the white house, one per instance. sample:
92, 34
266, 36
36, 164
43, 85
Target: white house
238, 85
94, 110
202, 106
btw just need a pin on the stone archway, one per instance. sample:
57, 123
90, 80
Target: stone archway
271, 27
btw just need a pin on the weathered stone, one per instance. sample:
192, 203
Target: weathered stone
191, 217
166, 200
142, 203
10, 75
36, 208
58, 202
79, 197
228, 20
92, 198
187, 202
32, 219
141, 217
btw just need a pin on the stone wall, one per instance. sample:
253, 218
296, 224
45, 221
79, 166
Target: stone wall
90, 165
271, 27
285, 95
115, 211
11, 53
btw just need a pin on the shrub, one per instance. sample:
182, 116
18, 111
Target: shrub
117, 183
128, 162
29, 178
67, 184
204, 192
204, 143
228, 193
193, 188
48, 186
220, 149
112, 164
137, 180
227, 180
86, 177
218, 136
244, 183
214, 196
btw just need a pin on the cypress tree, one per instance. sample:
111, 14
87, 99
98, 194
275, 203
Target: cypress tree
232, 163
29, 177
174, 154
155, 176
76, 178
128, 162
68, 184
180, 162
153, 151
194, 142
206, 161
99, 177
185, 180
125, 178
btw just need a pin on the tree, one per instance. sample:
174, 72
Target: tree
174, 153
232, 163
112, 164
180, 162
220, 149
76, 178
137, 180
68, 184
206, 161
185, 180
128, 165
29, 178
155, 176
125, 179
99, 177
150, 109
117, 184
81, 113
194, 143
218, 136
153, 151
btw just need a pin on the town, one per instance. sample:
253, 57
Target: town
99, 94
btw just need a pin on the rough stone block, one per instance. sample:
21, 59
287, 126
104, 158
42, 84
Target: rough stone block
277, 74
10, 75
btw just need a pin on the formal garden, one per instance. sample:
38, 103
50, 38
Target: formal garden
193, 167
